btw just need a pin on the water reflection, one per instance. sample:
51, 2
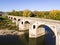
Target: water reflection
47, 39
37, 41
11, 40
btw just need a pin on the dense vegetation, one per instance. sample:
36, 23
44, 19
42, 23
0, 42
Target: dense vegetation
5, 23
53, 14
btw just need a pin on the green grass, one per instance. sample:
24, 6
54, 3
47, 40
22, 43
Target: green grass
6, 23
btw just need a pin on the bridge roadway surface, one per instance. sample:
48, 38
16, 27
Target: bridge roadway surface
37, 19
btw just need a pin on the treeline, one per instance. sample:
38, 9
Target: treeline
53, 14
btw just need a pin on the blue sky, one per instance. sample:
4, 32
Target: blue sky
43, 5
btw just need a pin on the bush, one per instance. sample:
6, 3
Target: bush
5, 23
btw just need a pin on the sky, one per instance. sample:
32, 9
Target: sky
20, 5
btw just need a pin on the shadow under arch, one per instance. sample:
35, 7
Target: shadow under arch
18, 19
11, 17
49, 37
11, 40
14, 18
27, 22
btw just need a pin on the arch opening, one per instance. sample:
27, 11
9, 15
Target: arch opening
34, 26
18, 19
21, 22
14, 18
49, 35
11, 17
26, 22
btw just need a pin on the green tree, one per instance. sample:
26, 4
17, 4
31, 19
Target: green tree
20, 13
15, 13
54, 14
41, 14
27, 13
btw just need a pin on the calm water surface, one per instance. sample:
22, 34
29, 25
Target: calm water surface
47, 39
24, 40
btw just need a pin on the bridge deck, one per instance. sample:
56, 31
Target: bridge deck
38, 19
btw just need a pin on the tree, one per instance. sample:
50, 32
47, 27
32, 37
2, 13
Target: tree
54, 14
41, 14
20, 13
27, 13
15, 13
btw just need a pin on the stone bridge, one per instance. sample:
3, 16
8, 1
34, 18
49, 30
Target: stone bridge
38, 27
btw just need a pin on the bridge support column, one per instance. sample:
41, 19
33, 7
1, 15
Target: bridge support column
22, 26
57, 38
35, 33
17, 23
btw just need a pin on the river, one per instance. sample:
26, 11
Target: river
25, 40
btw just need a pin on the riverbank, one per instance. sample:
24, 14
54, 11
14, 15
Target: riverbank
11, 32
13, 37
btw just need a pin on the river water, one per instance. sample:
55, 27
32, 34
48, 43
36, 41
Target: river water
25, 40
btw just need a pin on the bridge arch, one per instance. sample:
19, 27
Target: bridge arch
47, 31
24, 24
34, 26
18, 19
27, 22
11, 17
14, 18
